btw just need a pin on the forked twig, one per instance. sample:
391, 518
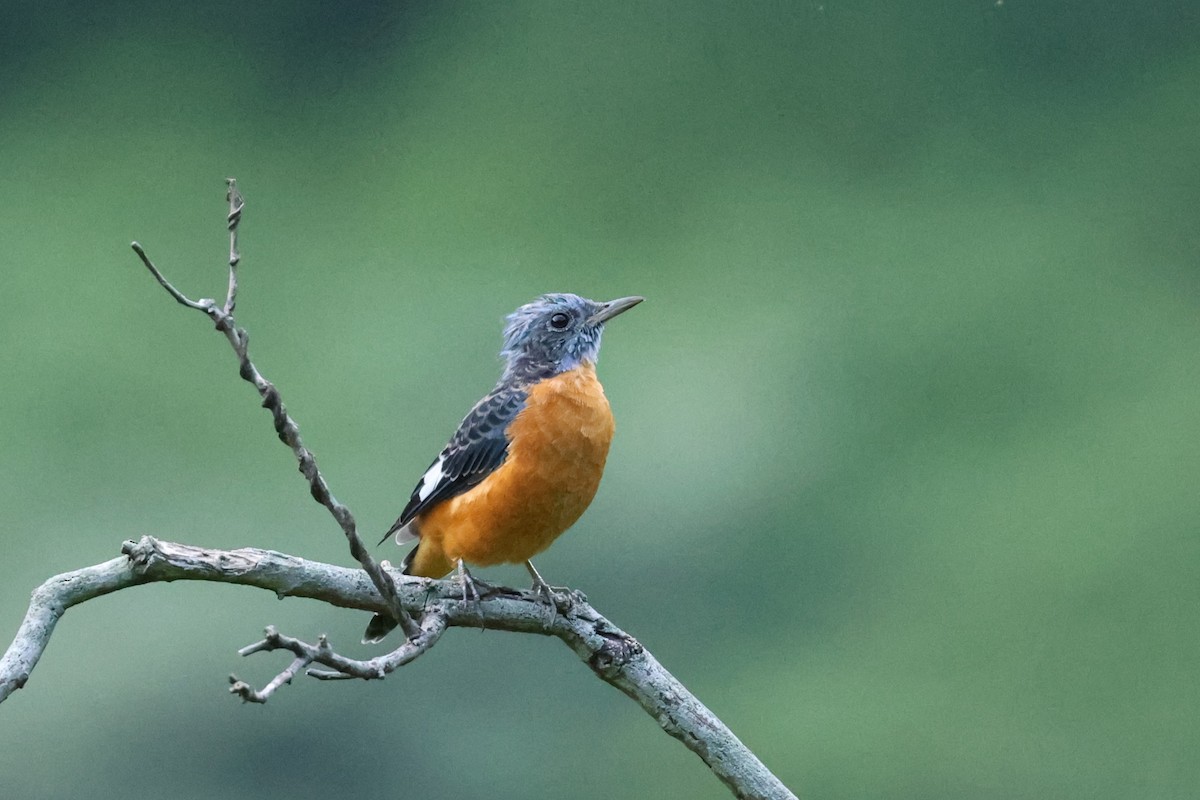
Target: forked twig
285, 427
433, 625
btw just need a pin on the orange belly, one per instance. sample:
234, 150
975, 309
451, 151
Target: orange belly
556, 453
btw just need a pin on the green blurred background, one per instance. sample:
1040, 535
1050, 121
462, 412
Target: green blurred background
905, 480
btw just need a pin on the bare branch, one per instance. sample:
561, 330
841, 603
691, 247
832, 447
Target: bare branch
250, 695
235, 217
613, 655
178, 295
285, 427
433, 625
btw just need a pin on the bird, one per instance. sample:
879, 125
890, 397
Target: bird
526, 460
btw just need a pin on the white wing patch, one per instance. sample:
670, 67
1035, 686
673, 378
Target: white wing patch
433, 477
406, 534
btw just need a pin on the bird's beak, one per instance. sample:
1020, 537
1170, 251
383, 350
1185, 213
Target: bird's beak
612, 308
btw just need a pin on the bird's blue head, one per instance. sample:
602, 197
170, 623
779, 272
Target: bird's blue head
556, 333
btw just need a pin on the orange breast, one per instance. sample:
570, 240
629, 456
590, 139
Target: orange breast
557, 448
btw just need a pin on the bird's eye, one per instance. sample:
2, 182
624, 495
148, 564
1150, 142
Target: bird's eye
559, 321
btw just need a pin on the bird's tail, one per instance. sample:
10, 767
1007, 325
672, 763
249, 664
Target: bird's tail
423, 562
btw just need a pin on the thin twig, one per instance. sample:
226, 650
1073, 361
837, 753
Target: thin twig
235, 217
433, 625
178, 295
285, 427
613, 655
251, 695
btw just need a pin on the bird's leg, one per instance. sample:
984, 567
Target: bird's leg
470, 586
474, 589
539, 583
471, 589
543, 589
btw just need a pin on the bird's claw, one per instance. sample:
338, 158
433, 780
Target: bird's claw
558, 599
471, 587
469, 590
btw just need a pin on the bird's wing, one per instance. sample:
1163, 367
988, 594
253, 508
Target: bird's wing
477, 448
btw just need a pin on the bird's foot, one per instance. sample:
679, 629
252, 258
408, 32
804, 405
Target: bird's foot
558, 599
473, 589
